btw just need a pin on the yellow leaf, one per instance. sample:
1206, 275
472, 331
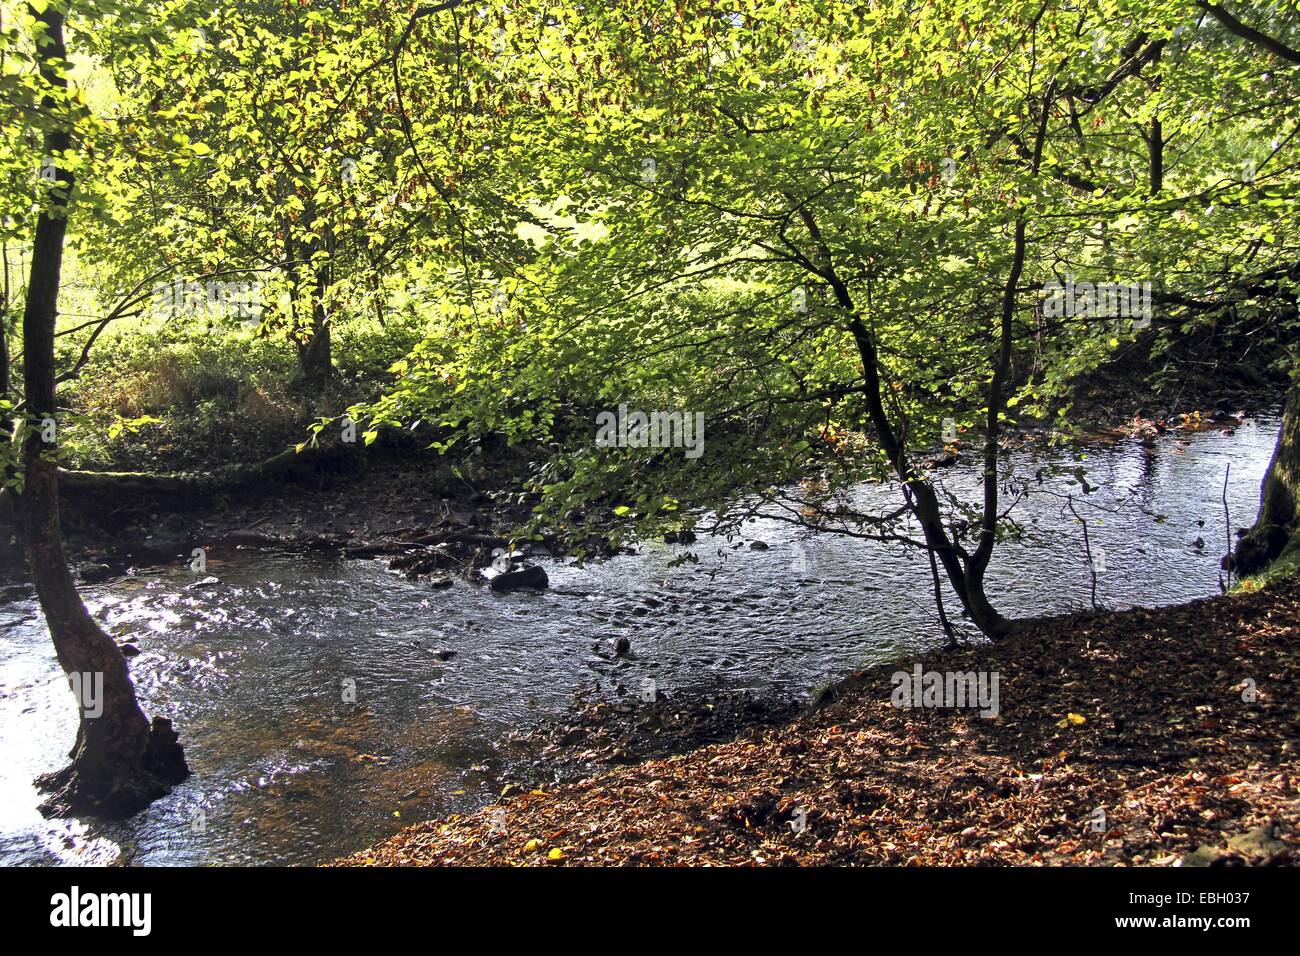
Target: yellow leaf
533, 844
555, 854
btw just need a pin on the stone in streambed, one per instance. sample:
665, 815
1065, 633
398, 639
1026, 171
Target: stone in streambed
526, 577
96, 573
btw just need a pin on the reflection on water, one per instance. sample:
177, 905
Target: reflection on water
325, 703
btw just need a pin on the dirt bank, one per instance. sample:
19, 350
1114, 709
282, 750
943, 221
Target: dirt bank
1121, 738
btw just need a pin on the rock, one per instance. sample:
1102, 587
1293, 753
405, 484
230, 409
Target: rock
525, 577
173, 524
758, 546
467, 518
423, 562
440, 582
169, 537
205, 583
1258, 843
16, 592
622, 646
685, 536
1257, 846
128, 650
96, 573
595, 544
444, 654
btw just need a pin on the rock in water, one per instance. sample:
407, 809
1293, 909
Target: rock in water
95, 573
526, 577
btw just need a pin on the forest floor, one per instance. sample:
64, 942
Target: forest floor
1144, 737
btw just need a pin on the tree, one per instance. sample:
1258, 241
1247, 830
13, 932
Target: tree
832, 230
120, 761
312, 169
1275, 534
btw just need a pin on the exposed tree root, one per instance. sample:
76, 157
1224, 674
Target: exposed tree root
88, 787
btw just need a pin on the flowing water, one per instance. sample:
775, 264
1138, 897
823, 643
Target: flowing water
255, 668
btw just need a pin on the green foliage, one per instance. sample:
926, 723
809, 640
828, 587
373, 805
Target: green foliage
698, 167
797, 218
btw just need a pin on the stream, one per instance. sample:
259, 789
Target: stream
325, 703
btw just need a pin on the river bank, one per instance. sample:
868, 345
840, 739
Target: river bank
1141, 737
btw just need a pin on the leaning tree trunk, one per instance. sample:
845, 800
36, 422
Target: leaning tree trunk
120, 762
1277, 529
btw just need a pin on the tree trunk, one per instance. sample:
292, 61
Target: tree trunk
11, 563
1156, 147
314, 353
1277, 528
120, 762
965, 571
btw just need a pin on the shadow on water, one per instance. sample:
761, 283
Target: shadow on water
325, 703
